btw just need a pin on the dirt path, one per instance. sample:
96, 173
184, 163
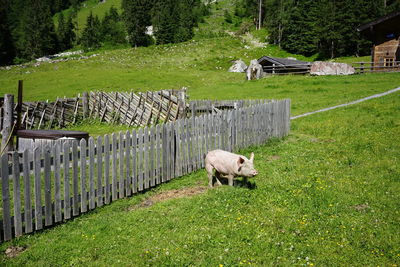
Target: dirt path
347, 104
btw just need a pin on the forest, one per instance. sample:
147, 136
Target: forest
323, 27
29, 33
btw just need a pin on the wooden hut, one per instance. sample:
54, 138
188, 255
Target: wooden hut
385, 35
275, 65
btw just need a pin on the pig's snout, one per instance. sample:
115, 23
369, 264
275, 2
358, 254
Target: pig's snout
254, 173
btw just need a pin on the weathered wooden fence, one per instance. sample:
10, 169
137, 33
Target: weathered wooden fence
45, 186
140, 109
118, 107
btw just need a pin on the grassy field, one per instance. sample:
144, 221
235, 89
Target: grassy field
326, 195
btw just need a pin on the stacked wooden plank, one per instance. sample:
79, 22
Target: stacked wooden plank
48, 185
138, 109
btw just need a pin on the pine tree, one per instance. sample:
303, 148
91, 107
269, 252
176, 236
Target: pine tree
65, 33
137, 17
112, 29
91, 38
7, 48
165, 21
38, 36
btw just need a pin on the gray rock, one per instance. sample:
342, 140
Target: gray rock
331, 68
254, 71
238, 66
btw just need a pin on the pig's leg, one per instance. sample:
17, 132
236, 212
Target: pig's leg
217, 177
230, 179
209, 170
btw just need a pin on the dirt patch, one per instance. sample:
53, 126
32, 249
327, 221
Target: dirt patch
13, 252
171, 194
274, 157
361, 207
316, 140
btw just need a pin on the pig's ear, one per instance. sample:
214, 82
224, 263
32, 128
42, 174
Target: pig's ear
251, 156
240, 161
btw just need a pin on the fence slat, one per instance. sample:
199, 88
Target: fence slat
140, 160
37, 188
5, 197
75, 186
158, 154
151, 157
134, 162
107, 168
146, 158
83, 175
47, 187
121, 166
66, 166
114, 168
91, 174
128, 189
99, 172
57, 183
16, 194
27, 193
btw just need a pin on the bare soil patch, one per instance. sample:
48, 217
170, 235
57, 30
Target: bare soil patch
273, 157
12, 252
361, 207
171, 194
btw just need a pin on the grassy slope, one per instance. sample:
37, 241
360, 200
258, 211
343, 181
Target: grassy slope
326, 195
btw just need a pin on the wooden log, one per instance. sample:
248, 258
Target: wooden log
27, 192
83, 175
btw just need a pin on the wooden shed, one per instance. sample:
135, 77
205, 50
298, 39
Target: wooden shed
275, 65
385, 35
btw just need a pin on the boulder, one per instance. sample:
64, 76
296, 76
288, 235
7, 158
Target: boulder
254, 71
331, 68
238, 66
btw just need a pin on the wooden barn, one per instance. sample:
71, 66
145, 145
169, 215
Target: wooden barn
385, 35
275, 65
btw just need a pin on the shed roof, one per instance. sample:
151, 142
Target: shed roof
380, 20
281, 61
382, 29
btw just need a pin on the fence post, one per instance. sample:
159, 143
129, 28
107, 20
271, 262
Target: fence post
182, 104
85, 105
362, 67
7, 132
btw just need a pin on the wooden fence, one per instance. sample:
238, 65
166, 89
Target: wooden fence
45, 186
119, 107
140, 109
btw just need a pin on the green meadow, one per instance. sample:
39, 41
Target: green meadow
326, 195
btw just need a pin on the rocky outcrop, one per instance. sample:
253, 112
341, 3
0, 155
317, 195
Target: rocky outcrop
331, 68
254, 71
238, 66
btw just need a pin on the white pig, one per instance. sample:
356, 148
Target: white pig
229, 165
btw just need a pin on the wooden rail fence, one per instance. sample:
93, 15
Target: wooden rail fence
45, 186
119, 107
